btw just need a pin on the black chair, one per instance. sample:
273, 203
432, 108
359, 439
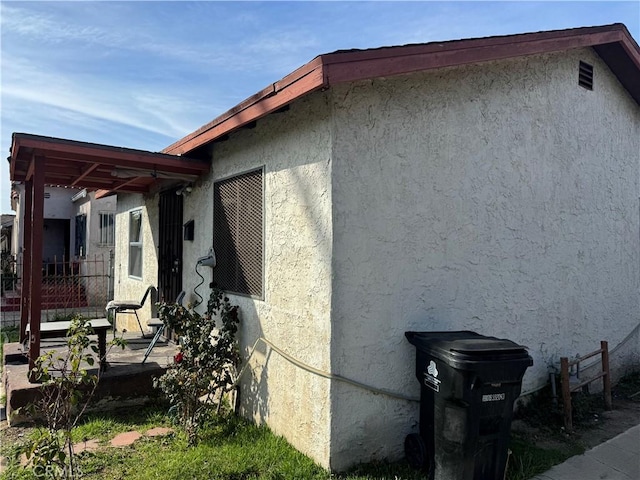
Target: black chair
159, 324
128, 306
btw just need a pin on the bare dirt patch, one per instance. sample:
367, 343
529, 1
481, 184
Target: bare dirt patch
541, 423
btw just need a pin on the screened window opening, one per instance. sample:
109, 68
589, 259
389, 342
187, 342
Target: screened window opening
135, 243
107, 229
238, 233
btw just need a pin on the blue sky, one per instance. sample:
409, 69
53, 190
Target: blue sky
143, 74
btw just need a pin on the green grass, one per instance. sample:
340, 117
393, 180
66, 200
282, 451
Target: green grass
232, 449
106, 426
528, 460
7, 335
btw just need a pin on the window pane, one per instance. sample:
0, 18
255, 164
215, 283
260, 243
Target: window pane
135, 243
135, 260
135, 226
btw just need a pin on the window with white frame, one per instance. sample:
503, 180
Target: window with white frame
135, 243
107, 228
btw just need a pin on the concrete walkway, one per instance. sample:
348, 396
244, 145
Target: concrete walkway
615, 459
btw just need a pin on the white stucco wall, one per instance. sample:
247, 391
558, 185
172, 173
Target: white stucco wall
125, 286
293, 149
500, 198
198, 206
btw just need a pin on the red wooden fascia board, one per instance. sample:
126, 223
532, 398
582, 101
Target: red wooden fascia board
354, 66
455, 45
633, 50
112, 156
333, 68
13, 156
308, 78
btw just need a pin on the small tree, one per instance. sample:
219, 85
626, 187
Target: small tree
67, 388
203, 369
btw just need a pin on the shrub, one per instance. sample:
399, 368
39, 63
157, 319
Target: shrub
67, 388
203, 369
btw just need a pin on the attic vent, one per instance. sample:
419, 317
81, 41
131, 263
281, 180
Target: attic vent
585, 75
47, 195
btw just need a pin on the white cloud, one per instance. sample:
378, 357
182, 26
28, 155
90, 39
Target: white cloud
136, 104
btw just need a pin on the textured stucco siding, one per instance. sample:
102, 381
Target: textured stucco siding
500, 198
131, 288
293, 148
197, 206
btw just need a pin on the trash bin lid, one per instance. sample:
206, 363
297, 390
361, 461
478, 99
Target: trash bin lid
467, 345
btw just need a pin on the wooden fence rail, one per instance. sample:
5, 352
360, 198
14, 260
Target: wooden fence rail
568, 387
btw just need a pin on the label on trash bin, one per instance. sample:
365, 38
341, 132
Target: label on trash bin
430, 375
493, 397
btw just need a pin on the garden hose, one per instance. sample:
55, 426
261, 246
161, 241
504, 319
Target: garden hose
355, 383
195, 290
330, 376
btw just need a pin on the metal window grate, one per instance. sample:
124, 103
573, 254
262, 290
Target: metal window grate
107, 228
585, 75
237, 233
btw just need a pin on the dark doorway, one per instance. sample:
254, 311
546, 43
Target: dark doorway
55, 243
170, 246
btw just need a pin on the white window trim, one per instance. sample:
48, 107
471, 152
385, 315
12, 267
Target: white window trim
137, 244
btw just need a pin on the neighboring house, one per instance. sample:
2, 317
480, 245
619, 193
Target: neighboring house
486, 184
6, 232
78, 240
76, 224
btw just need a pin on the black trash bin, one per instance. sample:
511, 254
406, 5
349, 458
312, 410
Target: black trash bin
469, 385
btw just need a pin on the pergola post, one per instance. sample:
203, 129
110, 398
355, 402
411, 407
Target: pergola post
27, 222
35, 287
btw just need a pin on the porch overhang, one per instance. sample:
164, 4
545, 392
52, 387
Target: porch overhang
37, 161
102, 168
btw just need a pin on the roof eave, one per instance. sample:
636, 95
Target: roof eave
304, 80
622, 56
104, 168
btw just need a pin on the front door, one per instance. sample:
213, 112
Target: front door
170, 246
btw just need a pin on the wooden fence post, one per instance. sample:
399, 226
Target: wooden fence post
606, 378
566, 393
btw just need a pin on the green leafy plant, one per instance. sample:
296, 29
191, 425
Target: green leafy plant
67, 387
9, 277
203, 369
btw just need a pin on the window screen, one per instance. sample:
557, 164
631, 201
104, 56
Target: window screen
237, 233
